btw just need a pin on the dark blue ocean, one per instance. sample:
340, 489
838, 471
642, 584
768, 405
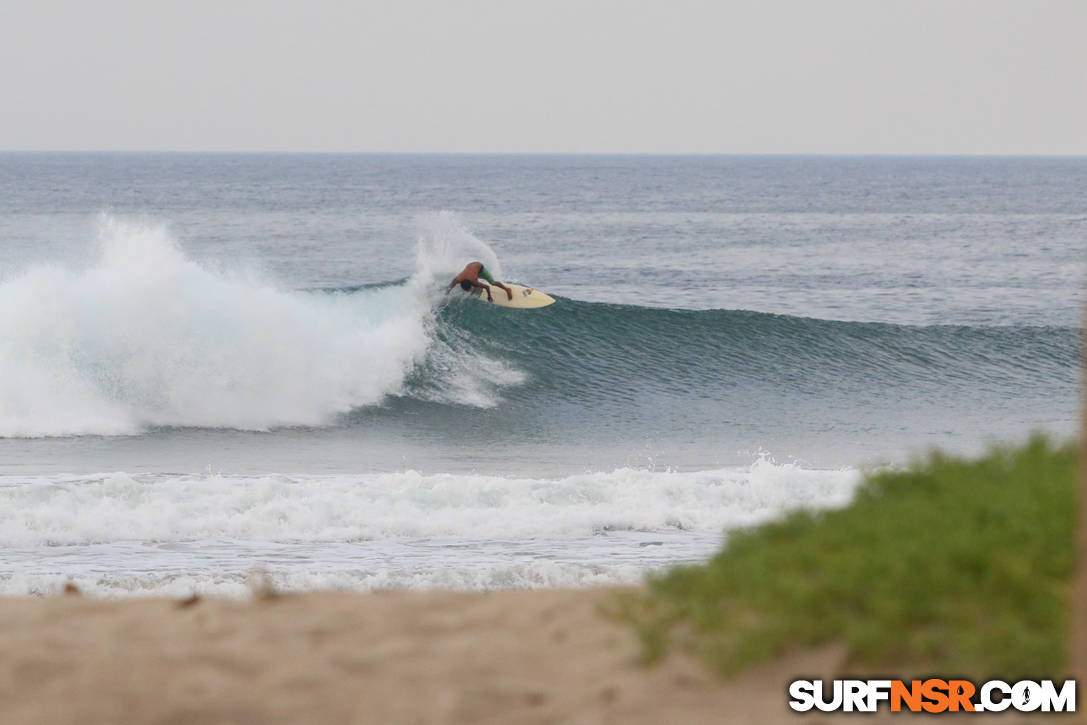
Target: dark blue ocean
216, 362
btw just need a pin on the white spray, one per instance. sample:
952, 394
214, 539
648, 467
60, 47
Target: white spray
147, 337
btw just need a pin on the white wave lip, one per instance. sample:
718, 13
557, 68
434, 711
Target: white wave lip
120, 507
146, 337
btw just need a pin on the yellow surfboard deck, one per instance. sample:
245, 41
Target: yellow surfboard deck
523, 297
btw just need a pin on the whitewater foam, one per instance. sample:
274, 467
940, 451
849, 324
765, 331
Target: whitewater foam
147, 337
121, 533
118, 507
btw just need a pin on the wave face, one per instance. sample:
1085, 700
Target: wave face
146, 338
588, 349
365, 531
617, 372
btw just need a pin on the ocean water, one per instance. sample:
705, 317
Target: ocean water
216, 363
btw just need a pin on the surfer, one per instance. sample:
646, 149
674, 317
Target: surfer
469, 278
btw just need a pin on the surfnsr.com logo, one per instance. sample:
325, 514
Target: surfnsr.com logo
932, 696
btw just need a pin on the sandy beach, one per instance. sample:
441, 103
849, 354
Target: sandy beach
503, 657
440, 657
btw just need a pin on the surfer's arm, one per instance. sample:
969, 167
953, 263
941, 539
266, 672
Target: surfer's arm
474, 283
484, 287
456, 280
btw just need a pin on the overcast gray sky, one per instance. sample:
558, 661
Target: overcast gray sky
758, 76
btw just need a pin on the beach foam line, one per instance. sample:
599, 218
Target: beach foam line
239, 583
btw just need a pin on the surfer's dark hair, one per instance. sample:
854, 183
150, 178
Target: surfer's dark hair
465, 285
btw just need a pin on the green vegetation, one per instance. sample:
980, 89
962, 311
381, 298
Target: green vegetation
952, 567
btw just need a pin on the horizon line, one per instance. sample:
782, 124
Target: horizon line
670, 154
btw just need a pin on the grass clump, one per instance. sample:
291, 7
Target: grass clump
950, 566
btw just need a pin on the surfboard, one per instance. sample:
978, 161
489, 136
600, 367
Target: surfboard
523, 297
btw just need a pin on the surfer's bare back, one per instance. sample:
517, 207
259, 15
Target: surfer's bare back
469, 277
